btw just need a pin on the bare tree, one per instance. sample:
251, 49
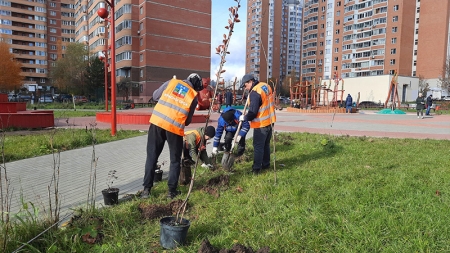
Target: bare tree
424, 87
444, 79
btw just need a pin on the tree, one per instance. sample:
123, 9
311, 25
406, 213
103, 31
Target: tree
69, 72
95, 78
424, 87
444, 79
10, 69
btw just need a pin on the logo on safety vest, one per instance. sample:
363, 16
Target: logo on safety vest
265, 89
180, 90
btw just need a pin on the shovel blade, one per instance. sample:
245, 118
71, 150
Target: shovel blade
228, 160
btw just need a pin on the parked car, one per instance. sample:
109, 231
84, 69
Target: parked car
370, 104
46, 98
64, 98
23, 97
81, 99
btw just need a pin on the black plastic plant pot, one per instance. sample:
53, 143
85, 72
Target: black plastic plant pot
173, 233
111, 196
158, 176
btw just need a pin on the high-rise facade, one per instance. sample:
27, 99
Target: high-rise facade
154, 40
273, 38
37, 32
355, 38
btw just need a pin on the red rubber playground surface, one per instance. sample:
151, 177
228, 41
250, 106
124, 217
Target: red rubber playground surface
363, 123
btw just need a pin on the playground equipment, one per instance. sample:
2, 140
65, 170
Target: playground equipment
392, 98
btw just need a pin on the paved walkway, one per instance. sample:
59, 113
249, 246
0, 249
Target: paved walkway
30, 177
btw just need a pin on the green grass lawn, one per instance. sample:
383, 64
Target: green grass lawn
331, 194
36, 143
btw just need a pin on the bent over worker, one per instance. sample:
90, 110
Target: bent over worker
177, 100
261, 115
229, 121
193, 147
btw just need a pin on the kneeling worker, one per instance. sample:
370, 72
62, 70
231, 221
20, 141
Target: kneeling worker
229, 121
192, 146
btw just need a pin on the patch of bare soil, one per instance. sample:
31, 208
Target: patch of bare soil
285, 139
215, 184
206, 247
154, 211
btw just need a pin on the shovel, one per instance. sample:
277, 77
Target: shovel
229, 157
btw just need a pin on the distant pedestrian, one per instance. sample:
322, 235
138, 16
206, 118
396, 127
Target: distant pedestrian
429, 104
348, 104
420, 105
228, 98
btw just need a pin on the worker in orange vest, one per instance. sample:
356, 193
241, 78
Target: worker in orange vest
261, 115
193, 147
177, 100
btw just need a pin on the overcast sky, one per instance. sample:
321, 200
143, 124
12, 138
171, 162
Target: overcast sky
235, 61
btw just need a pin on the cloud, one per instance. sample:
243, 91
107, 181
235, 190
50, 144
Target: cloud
235, 61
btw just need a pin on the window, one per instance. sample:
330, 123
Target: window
415, 63
141, 26
396, 7
52, 13
391, 72
322, 26
395, 19
141, 57
336, 50
417, 20
393, 51
141, 74
336, 58
394, 29
416, 42
337, 31
418, 10
393, 40
417, 31
141, 41
414, 73
321, 43
141, 10
42, 80
338, 13
415, 52
338, 22
52, 4
392, 62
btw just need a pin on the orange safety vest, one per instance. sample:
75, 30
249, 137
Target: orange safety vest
172, 109
266, 112
198, 138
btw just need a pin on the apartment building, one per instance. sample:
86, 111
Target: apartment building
154, 40
273, 38
357, 38
37, 32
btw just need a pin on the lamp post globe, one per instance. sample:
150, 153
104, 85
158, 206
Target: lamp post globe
103, 13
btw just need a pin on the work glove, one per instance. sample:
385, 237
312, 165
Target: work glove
204, 165
238, 139
214, 151
241, 118
209, 166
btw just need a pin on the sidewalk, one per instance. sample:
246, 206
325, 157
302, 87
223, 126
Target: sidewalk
32, 176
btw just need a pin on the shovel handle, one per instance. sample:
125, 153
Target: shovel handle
240, 122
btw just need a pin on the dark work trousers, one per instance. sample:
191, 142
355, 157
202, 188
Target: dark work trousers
155, 144
229, 137
261, 146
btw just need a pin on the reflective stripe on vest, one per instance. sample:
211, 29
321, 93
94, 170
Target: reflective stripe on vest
266, 113
173, 107
197, 136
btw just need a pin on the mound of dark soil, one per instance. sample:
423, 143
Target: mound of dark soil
206, 247
215, 184
154, 211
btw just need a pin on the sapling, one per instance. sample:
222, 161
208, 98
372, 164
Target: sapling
222, 51
110, 180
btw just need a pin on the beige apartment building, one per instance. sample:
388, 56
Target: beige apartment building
154, 40
358, 38
273, 47
37, 31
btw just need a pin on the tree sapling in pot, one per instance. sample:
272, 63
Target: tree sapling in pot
110, 194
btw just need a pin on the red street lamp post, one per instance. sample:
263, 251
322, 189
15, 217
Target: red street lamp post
103, 13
